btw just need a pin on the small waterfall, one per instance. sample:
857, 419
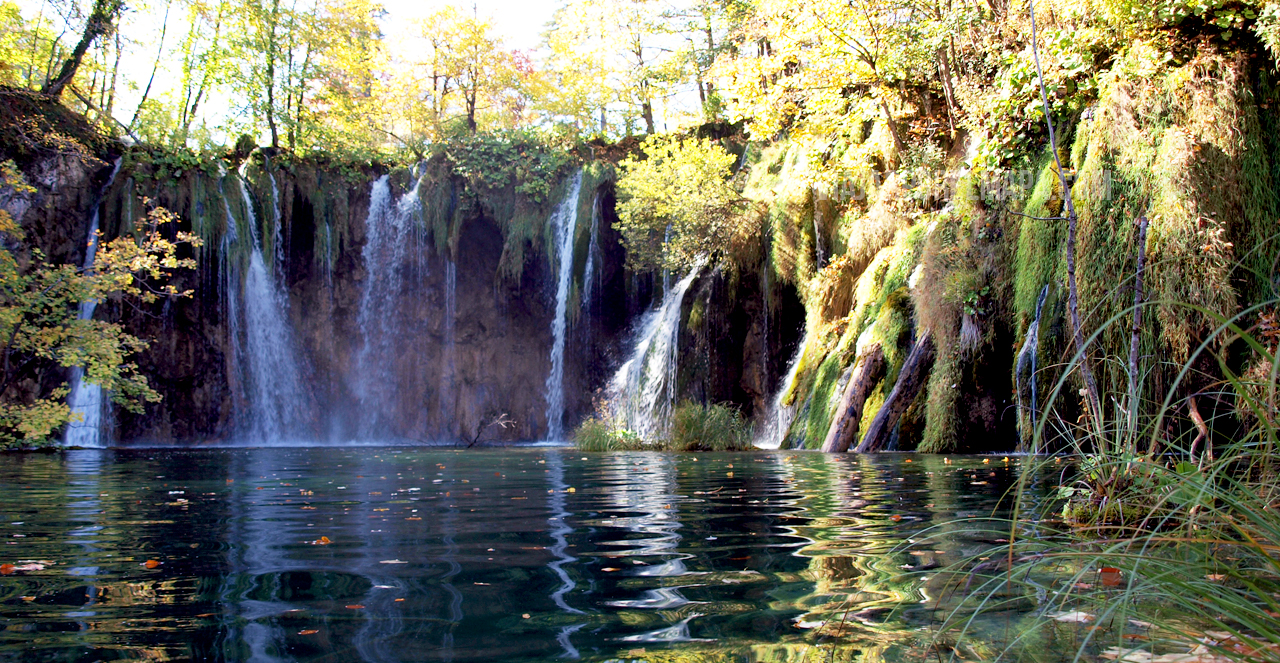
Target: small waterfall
564, 222
594, 260
447, 362
642, 392
387, 233
276, 397
278, 244
781, 415
86, 397
1025, 369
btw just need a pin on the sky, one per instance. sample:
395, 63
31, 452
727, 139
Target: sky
521, 22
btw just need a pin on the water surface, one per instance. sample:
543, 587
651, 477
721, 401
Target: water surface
540, 554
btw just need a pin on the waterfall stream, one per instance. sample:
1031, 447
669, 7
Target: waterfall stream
388, 228
86, 397
781, 414
563, 222
642, 393
277, 400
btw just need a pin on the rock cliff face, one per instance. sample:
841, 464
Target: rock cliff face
425, 340
342, 302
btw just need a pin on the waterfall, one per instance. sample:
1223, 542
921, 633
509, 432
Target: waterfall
774, 432
86, 397
1026, 366
387, 229
447, 396
643, 391
275, 393
594, 260
564, 222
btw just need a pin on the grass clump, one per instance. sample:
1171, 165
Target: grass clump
694, 427
716, 427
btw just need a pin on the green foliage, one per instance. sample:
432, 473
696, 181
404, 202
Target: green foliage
678, 204
44, 335
716, 427
694, 427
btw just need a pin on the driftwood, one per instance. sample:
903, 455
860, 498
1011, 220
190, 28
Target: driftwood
867, 372
912, 377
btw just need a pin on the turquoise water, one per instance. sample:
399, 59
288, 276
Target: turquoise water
538, 554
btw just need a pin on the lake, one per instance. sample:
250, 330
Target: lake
518, 554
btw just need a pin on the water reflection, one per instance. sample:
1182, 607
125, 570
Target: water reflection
403, 555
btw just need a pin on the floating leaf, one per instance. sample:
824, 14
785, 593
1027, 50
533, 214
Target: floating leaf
1073, 617
308, 631
151, 564
355, 606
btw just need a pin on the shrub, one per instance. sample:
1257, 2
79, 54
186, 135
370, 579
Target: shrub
716, 427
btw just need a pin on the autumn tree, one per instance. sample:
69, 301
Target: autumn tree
678, 203
42, 334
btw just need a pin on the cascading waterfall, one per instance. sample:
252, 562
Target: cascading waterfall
1025, 368
594, 260
388, 228
564, 223
274, 389
86, 397
642, 392
781, 415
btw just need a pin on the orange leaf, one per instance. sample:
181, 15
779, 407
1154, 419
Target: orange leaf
308, 631
895, 517
322, 541
6, 569
151, 563
1109, 576
355, 606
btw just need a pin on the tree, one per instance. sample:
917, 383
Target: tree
42, 334
678, 204
100, 23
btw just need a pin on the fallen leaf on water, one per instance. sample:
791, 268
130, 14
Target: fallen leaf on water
524, 616
322, 541
355, 606
895, 517
28, 599
399, 600
1110, 576
308, 631
7, 569
151, 563
1073, 617
609, 569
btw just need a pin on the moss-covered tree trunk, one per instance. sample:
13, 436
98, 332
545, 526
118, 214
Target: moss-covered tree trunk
867, 374
910, 380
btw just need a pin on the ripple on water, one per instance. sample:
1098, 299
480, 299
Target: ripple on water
533, 554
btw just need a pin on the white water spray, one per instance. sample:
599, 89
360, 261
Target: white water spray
780, 415
642, 393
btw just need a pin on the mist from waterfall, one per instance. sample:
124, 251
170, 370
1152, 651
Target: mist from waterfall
86, 397
642, 393
564, 221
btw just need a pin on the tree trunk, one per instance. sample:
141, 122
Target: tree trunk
104, 12
869, 371
910, 380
